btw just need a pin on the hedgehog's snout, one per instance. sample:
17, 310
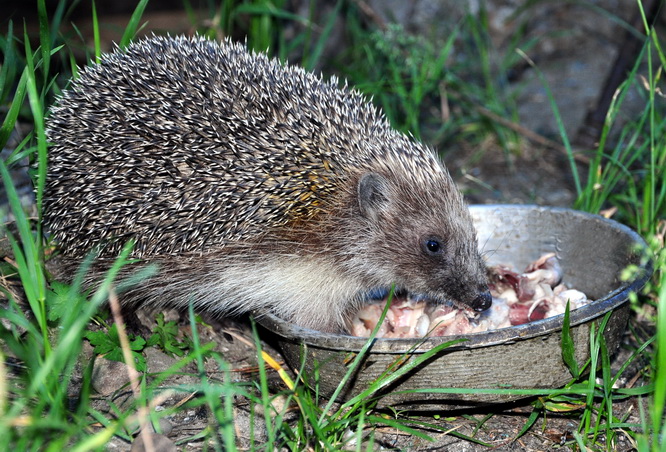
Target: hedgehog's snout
482, 301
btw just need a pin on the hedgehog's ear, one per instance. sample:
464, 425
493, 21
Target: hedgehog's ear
372, 195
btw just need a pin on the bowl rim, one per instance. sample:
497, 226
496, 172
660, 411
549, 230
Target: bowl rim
584, 314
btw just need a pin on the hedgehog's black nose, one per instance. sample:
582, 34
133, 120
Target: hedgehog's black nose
482, 301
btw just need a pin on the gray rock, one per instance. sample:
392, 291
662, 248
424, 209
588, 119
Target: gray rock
109, 376
160, 444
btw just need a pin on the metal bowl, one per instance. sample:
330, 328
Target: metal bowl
592, 251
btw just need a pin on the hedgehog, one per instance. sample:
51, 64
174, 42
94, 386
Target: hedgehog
254, 186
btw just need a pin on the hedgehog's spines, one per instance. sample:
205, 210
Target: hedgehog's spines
220, 162
143, 83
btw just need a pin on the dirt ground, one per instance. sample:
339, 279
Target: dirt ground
577, 64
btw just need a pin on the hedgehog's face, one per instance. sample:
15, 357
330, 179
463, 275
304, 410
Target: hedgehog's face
448, 269
423, 242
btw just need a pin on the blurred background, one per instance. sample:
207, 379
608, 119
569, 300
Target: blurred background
471, 78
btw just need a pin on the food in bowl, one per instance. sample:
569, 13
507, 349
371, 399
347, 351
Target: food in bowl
518, 298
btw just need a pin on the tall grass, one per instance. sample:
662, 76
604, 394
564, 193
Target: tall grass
628, 172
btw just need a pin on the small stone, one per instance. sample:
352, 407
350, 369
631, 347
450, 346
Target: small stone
109, 376
165, 426
158, 361
160, 444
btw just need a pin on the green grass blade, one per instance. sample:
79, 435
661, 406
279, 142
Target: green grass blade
568, 347
397, 373
658, 408
312, 57
558, 120
73, 335
133, 24
9, 65
96, 39
36, 106
27, 255
359, 357
44, 37
12, 115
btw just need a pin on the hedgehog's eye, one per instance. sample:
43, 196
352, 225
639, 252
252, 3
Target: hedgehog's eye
432, 246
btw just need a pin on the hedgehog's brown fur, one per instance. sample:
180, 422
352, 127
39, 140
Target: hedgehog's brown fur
254, 186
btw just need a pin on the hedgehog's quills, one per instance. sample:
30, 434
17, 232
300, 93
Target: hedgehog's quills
254, 186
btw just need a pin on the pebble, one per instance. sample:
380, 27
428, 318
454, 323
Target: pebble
160, 444
109, 376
